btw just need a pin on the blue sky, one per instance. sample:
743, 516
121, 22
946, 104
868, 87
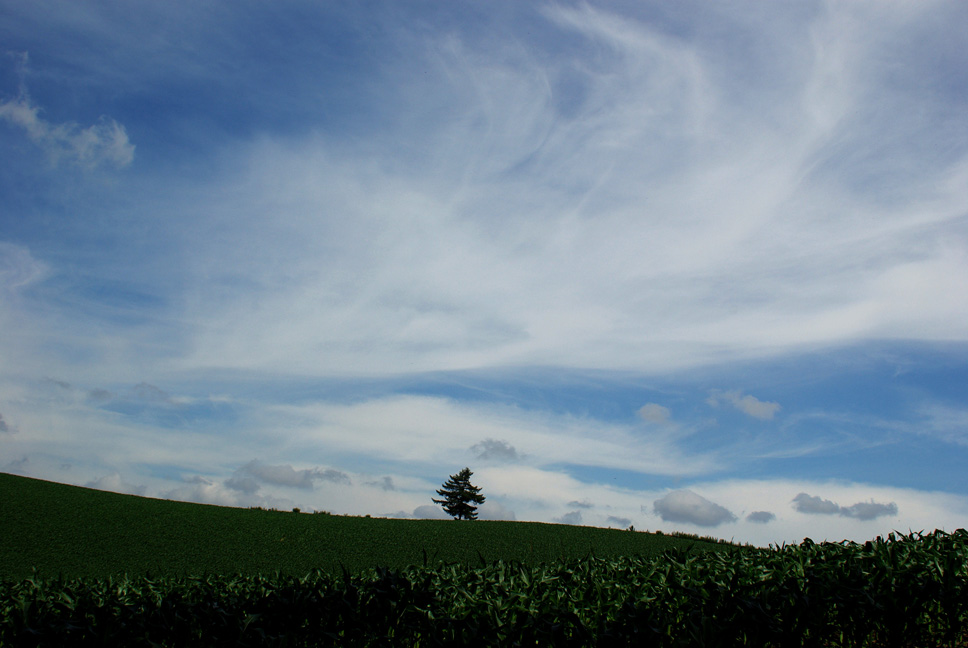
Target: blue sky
684, 266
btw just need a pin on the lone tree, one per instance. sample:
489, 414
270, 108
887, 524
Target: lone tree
459, 496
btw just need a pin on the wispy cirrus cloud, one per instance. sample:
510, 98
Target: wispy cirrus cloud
633, 261
104, 142
19, 268
944, 421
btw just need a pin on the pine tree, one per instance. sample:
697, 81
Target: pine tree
458, 494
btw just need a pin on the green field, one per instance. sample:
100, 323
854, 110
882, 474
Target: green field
60, 529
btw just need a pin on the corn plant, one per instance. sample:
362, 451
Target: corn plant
890, 592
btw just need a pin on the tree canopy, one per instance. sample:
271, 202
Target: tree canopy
460, 496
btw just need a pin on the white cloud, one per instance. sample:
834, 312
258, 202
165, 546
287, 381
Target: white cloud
492, 449
745, 403
572, 517
946, 422
869, 510
916, 510
657, 223
621, 522
22, 317
243, 483
18, 268
417, 436
861, 510
445, 431
105, 142
602, 252
115, 484
205, 491
249, 477
494, 510
687, 506
430, 512
654, 413
761, 517
815, 505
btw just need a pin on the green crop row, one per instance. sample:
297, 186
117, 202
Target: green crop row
897, 591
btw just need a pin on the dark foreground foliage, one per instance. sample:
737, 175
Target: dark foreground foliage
899, 591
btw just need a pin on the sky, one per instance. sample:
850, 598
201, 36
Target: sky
692, 266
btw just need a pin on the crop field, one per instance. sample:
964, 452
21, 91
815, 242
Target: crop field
894, 592
891, 593
58, 529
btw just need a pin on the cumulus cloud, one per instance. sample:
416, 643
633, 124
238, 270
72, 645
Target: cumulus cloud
104, 142
687, 506
243, 483
815, 505
572, 517
745, 403
206, 491
614, 520
654, 413
583, 504
115, 484
494, 510
492, 449
761, 517
5, 428
249, 477
430, 512
869, 510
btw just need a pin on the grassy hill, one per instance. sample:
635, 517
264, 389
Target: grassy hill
61, 529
